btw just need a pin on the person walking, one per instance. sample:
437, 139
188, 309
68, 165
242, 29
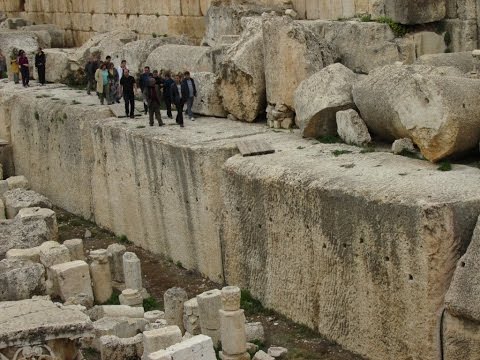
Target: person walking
101, 77
152, 95
15, 69
40, 61
128, 87
90, 70
24, 69
167, 93
3, 65
113, 84
143, 83
188, 87
120, 71
178, 95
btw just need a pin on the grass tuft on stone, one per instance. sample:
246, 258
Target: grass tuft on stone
399, 30
329, 139
114, 300
445, 166
341, 152
250, 304
151, 304
123, 239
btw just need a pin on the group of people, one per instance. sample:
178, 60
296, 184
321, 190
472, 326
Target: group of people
19, 65
112, 83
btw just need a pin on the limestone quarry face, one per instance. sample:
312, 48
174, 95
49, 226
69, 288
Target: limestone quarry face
435, 107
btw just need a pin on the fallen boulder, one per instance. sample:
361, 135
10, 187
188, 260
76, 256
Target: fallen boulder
293, 53
179, 58
415, 11
320, 97
437, 108
18, 199
208, 101
21, 279
351, 128
27, 232
461, 60
242, 74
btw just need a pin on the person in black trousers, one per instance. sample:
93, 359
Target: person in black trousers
178, 95
40, 65
167, 96
128, 88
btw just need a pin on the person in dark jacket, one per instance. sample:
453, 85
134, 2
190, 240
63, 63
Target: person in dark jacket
128, 87
90, 69
167, 86
40, 61
178, 94
153, 95
188, 87
143, 83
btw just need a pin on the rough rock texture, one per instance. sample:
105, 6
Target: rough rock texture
369, 260
242, 73
461, 339
105, 44
21, 321
26, 232
60, 64
319, 97
71, 279
18, 199
351, 128
137, 52
434, 107
460, 60
292, 54
364, 46
463, 34
21, 279
115, 348
179, 58
462, 298
54, 34
415, 11
255, 332
400, 146
225, 19
208, 101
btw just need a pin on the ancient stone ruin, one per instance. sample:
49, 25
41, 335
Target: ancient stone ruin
331, 172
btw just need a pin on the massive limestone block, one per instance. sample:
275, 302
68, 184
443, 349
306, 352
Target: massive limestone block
25, 40
21, 279
36, 321
364, 46
242, 73
415, 11
292, 54
318, 99
462, 34
463, 296
55, 33
25, 232
461, 60
436, 107
137, 52
105, 44
115, 348
461, 338
351, 128
225, 19
391, 240
18, 199
180, 58
60, 64
208, 101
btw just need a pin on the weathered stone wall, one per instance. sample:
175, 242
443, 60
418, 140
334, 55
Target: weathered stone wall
360, 247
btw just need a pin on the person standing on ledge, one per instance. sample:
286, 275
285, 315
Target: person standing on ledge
167, 93
128, 87
152, 96
143, 83
40, 61
101, 77
15, 69
178, 95
188, 87
23, 63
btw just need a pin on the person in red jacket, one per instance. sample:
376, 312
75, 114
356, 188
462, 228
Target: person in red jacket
24, 69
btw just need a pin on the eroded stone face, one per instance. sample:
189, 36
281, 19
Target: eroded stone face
415, 11
21, 279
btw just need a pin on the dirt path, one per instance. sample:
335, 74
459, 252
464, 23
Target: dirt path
161, 274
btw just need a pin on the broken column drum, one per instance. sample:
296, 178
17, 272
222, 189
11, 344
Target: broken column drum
101, 276
132, 271
115, 255
174, 299
209, 304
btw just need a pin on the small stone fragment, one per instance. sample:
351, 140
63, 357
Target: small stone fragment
401, 145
